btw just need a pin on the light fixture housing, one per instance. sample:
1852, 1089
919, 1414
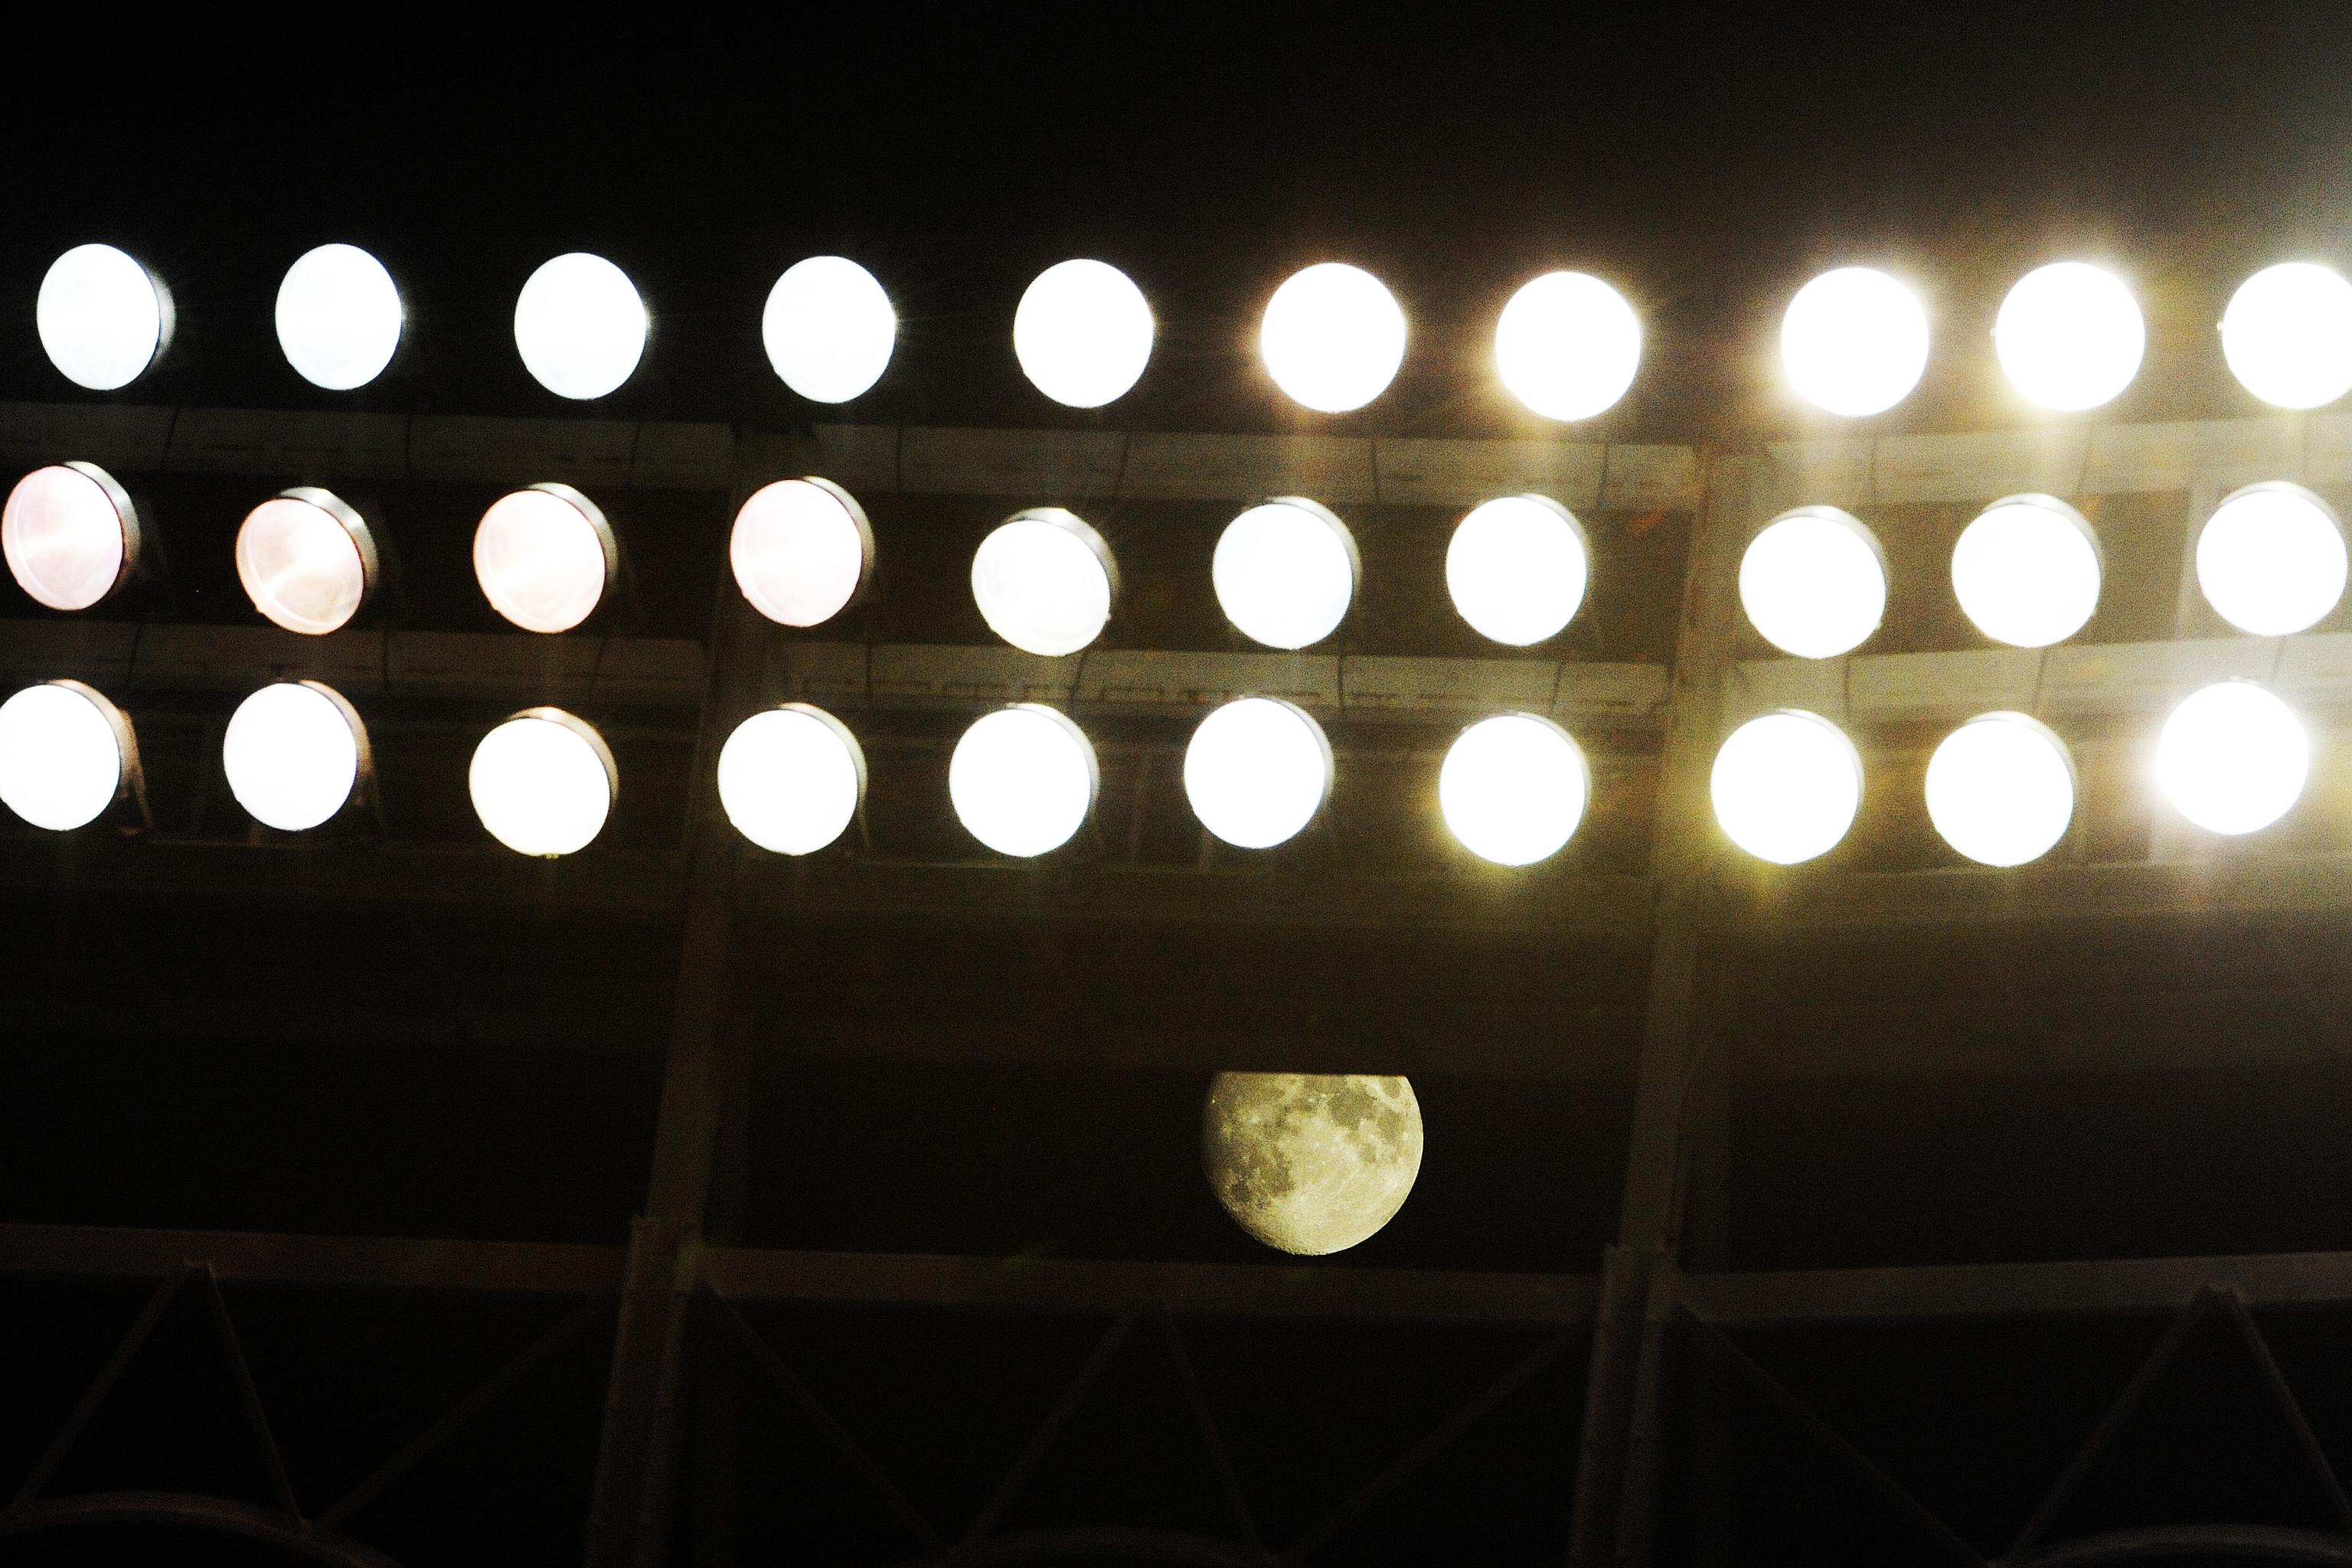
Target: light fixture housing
294, 752
339, 317
2287, 335
2070, 336
1517, 567
2027, 570
71, 536
1285, 571
802, 551
1257, 770
1854, 342
544, 782
1787, 786
1083, 333
790, 778
1567, 345
1023, 779
1814, 582
1332, 337
103, 319
2271, 559
545, 557
2233, 758
1044, 581
1512, 788
2000, 789
66, 754
581, 326
828, 329
307, 560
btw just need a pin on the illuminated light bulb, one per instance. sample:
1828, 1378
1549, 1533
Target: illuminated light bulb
828, 329
339, 317
307, 561
1083, 333
1023, 779
1512, 788
1258, 770
1786, 786
1813, 583
71, 536
64, 752
1854, 342
292, 754
2000, 789
1516, 569
1284, 572
102, 318
1044, 582
2271, 559
2070, 336
544, 782
545, 557
800, 551
579, 326
2026, 571
790, 778
2287, 335
2233, 758
1567, 345
1332, 337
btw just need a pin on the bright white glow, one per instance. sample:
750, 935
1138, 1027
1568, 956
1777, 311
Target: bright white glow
339, 317
791, 778
580, 325
1284, 572
543, 557
1567, 345
2287, 335
1332, 338
543, 783
1256, 771
61, 754
69, 534
1854, 342
1514, 788
1023, 779
1083, 333
800, 550
828, 329
1043, 581
2233, 758
1516, 569
305, 560
2271, 559
2027, 570
102, 319
2000, 789
292, 754
1786, 786
2070, 336
1813, 583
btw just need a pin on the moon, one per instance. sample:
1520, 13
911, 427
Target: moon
1310, 1162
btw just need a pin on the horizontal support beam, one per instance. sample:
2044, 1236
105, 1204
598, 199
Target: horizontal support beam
254, 1258
1771, 904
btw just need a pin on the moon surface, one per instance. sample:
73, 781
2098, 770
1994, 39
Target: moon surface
1310, 1162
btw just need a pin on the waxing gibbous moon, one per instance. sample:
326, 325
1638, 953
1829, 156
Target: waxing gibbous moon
1310, 1162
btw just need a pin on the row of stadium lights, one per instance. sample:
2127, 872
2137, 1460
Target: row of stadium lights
2271, 559
1854, 342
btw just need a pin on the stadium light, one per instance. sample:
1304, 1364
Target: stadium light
545, 557
1813, 583
1786, 786
1023, 779
2027, 570
293, 754
307, 560
2070, 336
339, 317
802, 551
66, 755
1512, 788
1083, 333
2233, 758
1044, 582
2000, 789
1257, 770
2287, 335
1332, 337
790, 778
828, 329
2271, 559
1516, 568
71, 536
1567, 345
1854, 342
1286, 572
102, 318
544, 782
581, 326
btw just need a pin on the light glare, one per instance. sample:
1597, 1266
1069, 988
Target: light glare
790, 778
1044, 582
1284, 572
1813, 583
1786, 786
1512, 788
1567, 345
1332, 337
801, 550
102, 318
543, 783
1258, 770
580, 325
1854, 342
1083, 333
2233, 758
544, 556
2287, 335
306, 561
2271, 559
1516, 569
71, 536
62, 754
292, 753
2000, 789
2070, 336
828, 329
339, 317
2026, 571
1023, 779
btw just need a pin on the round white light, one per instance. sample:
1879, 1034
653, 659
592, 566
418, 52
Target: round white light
2000, 789
64, 749
339, 317
292, 754
1023, 779
71, 536
801, 550
1813, 583
1286, 572
307, 561
1567, 345
1514, 788
828, 329
1786, 786
1256, 771
2271, 559
2287, 335
1854, 342
1083, 333
102, 318
2233, 758
1044, 582
2027, 570
1332, 337
579, 326
544, 782
2070, 336
1516, 568
790, 779
545, 557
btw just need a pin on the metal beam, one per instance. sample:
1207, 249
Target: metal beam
327, 1262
